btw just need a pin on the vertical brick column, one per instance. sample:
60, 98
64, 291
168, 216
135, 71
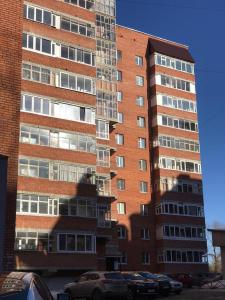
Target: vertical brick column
10, 88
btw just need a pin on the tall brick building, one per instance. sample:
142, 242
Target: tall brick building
158, 182
109, 167
10, 88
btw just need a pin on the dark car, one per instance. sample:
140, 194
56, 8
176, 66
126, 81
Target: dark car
137, 285
163, 284
176, 286
97, 286
25, 286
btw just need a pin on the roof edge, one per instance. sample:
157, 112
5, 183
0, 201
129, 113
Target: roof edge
155, 37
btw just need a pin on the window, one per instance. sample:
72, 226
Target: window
119, 139
103, 185
121, 208
120, 116
77, 83
177, 143
119, 96
141, 122
177, 103
77, 27
55, 109
177, 83
121, 184
76, 242
173, 63
141, 143
106, 52
103, 156
183, 256
39, 44
139, 61
140, 80
38, 15
36, 73
122, 232
143, 187
122, 260
180, 186
144, 209
105, 6
173, 122
47, 205
119, 55
182, 232
118, 75
87, 4
30, 167
77, 55
184, 209
145, 258
140, 101
142, 163
34, 168
145, 234
180, 165
105, 28
102, 129
31, 241
106, 105
120, 161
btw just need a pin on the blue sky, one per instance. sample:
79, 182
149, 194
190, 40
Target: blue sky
201, 25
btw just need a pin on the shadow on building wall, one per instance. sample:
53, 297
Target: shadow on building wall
184, 191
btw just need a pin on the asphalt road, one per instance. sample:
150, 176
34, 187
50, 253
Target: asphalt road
198, 294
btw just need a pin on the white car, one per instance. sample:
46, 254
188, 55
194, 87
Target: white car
98, 286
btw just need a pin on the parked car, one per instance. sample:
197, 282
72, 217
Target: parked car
137, 284
97, 286
176, 286
185, 278
163, 284
25, 286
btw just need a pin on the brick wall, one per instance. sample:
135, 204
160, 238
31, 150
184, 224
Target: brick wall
10, 84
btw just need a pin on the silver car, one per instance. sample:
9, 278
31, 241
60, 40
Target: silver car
98, 286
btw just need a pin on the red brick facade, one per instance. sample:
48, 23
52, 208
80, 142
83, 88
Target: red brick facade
10, 88
90, 190
142, 45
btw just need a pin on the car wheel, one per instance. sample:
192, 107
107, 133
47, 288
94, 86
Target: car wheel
130, 295
97, 295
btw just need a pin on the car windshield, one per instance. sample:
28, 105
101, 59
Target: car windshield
115, 275
132, 276
148, 275
10, 285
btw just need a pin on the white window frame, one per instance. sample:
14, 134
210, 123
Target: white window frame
139, 80
121, 208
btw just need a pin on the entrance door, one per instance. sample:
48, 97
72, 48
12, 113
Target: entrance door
112, 264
